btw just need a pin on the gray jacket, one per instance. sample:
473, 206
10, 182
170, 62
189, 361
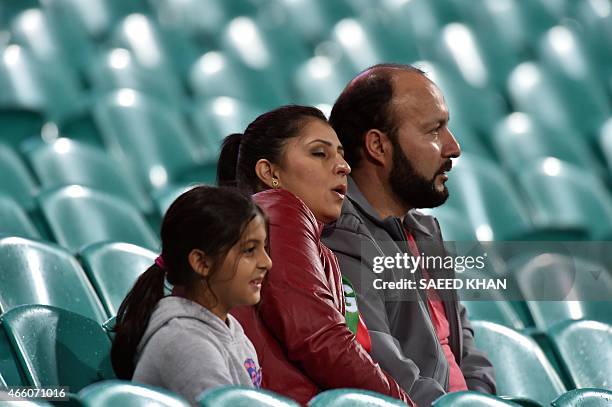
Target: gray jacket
187, 349
404, 341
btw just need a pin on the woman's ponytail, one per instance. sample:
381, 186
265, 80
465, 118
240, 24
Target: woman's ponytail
228, 159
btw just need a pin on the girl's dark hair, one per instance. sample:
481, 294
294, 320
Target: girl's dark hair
263, 138
207, 218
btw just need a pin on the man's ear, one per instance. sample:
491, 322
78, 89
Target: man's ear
266, 172
377, 147
200, 262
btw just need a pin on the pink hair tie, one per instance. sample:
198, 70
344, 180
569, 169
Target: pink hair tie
159, 261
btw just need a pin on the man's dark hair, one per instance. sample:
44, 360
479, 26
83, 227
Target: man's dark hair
364, 105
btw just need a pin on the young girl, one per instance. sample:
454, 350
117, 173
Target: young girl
214, 248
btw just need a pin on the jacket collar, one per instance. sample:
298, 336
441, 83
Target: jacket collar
410, 221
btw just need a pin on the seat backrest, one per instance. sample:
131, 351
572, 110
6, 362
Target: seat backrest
37, 273
239, 396
57, 347
128, 394
14, 221
521, 368
65, 162
471, 399
113, 268
585, 348
79, 216
17, 182
352, 397
584, 398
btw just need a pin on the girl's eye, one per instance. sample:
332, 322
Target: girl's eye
318, 154
249, 250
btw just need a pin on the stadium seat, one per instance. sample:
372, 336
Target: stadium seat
584, 398
64, 162
151, 138
14, 221
564, 196
320, 80
480, 191
216, 118
498, 311
238, 396
113, 268
117, 68
521, 368
23, 402
128, 394
40, 273
10, 370
18, 184
605, 142
471, 399
585, 348
19, 122
452, 224
520, 140
352, 397
164, 198
559, 287
58, 347
78, 216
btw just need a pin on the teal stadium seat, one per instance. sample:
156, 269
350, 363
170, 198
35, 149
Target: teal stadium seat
40, 273
10, 369
113, 268
320, 80
491, 206
164, 198
585, 349
152, 139
117, 68
65, 162
499, 311
127, 394
79, 216
452, 224
216, 118
584, 398
14, 221
56, 347
605, 143
471, 399
17, 183
521, 369
352, 397
237, 396
520, 140
564, 196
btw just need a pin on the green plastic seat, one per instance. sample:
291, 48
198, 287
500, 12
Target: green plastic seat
352, 397
113, 268
558, 288
164, 198
118, 68
66, 162
9, 9
79, 216
19, 123
56, 347
238, 396
584, 398
487, 200
562, 195
14, 221
219, 117
40, 273
62, 42
452, 224
605, 142
128, 394
471, 399
152, 139
521, 369
17, 182
497, 311
11, 402
320, 80
519, 139
585, 348
10, 369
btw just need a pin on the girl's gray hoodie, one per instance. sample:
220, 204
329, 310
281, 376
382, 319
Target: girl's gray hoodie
187, 349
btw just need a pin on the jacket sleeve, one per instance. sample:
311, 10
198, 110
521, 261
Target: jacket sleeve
298, 308
386, 349
477, 369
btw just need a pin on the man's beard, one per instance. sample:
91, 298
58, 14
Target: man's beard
410, 187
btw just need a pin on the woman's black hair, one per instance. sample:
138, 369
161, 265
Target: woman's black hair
206, 218
263, 138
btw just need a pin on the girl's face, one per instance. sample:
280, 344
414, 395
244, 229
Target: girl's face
239, 279
313, 168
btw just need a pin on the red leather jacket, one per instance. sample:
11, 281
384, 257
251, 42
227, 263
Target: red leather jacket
299, 331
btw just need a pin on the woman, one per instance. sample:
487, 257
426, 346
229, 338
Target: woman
214, 248
291, 159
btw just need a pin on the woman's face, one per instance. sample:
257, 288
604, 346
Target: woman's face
313, 168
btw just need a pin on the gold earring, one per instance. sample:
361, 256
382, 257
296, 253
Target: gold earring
275, 184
